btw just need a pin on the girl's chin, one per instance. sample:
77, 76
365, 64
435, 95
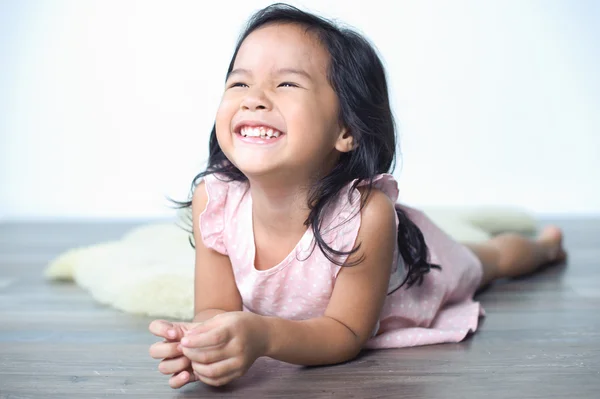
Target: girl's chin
255, 168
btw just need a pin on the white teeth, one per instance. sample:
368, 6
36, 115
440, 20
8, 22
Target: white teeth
263, 132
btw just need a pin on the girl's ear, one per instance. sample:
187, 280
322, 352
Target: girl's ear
345, 141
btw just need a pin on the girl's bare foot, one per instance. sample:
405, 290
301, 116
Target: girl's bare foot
551, 237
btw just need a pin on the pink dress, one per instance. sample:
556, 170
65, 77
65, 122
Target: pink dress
299, 287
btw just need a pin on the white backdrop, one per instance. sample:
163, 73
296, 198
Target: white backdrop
106, 106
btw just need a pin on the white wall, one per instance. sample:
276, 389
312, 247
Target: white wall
105, 106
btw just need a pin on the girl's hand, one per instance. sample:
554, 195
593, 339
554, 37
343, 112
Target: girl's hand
224, 347
170, 351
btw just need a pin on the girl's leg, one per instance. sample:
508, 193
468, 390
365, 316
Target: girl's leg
512, 255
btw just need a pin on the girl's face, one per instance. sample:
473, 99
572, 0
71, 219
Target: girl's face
278, 87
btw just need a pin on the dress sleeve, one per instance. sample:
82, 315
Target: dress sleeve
386, 183
212, 219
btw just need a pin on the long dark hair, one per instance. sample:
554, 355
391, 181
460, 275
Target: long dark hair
358, 78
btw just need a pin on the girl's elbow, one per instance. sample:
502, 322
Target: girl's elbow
350, 352
353, 347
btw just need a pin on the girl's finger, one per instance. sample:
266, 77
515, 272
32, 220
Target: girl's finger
202, 327
163, 329
180, 379
219, 381
162, 350
218, 371
210, 338
205, 356
174, 365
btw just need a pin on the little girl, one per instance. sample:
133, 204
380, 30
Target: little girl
302, 252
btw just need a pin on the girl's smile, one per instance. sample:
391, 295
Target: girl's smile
255, 132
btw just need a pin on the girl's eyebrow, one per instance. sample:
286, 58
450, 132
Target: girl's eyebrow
293, 71
281, 71
238, 71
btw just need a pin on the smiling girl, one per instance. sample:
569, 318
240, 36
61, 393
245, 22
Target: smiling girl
303, 252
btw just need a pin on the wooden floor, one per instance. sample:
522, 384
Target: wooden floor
540, 339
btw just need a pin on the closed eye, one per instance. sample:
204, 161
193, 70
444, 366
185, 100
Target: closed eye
237, 84
288, 84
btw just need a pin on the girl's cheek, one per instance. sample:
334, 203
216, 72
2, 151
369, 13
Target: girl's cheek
224, 116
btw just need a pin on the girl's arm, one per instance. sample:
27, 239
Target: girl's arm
356, 303
215, 290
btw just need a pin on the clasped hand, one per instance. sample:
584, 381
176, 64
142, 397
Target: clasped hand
215, 352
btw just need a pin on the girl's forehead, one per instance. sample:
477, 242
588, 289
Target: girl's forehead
281, 45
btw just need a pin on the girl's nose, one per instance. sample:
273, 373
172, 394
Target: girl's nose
255, 100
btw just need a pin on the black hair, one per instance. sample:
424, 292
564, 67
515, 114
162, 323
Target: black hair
357, 76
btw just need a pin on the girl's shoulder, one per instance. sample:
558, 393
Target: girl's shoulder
342, 220
224, 195
384, 182
223, 199
354, 194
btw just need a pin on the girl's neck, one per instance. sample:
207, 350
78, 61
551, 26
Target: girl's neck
280, 210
